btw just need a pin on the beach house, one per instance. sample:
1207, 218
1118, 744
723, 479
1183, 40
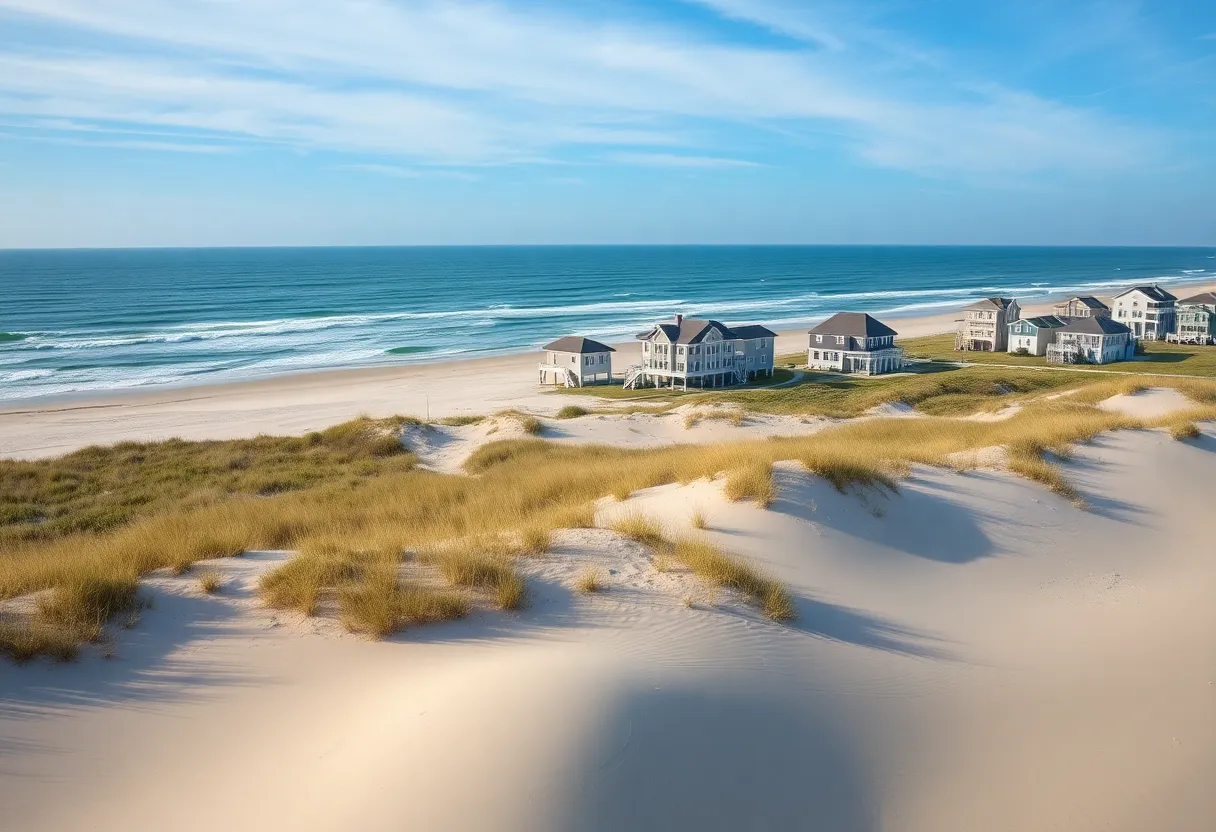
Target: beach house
1082, 306
1195, 320
1032, 336
695, 352
1092, 340
985, 325
854, 342
574, 361
1147, 310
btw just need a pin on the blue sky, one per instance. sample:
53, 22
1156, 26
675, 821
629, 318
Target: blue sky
282, 122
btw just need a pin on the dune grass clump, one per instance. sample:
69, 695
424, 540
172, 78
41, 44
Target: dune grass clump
460, 421
531, 425
843, 470
719, 569
210, 582
298, 584
639, 528
699, 521
571, 411
535, 541
589, 582
27, 640
1184, 430
752, 482
695, 417
72, 613
378, 604
1027, 460
481, 565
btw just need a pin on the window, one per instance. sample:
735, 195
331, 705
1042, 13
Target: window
764, 342
602, 357
816, 354
573, 359
819, 339
839, 339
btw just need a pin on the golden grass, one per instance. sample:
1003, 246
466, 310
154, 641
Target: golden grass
535, 540
1184, 430
210, 581
719, 569
460, 421
527, 421
753, 482
520, 485
589, 582
73, 612
26, 640
571, 411
699, 521
639, 528
695, 417
378, 604
481, 564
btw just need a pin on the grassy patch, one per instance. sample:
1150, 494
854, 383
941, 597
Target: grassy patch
460, 421
753, 482
210, 581
589, 582
719, 569
695, 417
531, 425
481, 564
699, 520
571, 411
1184, 430
639, 528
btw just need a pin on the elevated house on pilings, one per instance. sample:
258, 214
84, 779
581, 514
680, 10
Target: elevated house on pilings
702, 353
574, 361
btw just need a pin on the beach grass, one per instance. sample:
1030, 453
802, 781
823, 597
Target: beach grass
589, 582
210, 581
571, 411
719, 569
752, 482
346, 527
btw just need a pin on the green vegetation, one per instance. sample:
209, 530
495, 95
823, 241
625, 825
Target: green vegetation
1157, 357
352, 529
96, 489
571, 411
617, 391
694, 417
460, 421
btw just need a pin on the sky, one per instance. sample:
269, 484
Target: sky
402, 122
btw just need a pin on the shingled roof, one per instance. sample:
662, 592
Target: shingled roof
1046, 321
1095, 326
992, 303
1201, 299
694, 330
854, 324
1088, 300
577, 343
1153, 292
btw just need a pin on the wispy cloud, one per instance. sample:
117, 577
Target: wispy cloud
399, 172
672, 160
461, 83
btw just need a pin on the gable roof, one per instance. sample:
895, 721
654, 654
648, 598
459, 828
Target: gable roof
1153, 292
1095, 326
577, 343
855, 324
1203, 298
993, 303
1087, 300
1044, 321
695, 330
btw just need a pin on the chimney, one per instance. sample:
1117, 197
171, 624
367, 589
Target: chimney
679, 319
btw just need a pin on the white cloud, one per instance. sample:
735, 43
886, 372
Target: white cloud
476, 83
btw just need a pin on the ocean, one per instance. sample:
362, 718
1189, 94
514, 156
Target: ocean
81, 321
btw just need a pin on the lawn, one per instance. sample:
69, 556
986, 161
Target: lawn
1159, 357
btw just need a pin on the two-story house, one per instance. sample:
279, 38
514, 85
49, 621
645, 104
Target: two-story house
1091, 340
1195, 320
1147, 310
702, 353
1032, 336
854, 342
985, 325
574, 361
1082, 306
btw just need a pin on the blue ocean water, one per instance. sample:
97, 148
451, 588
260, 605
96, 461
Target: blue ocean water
75, 321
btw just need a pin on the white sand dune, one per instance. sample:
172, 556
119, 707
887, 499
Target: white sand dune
1152, 403
972, 653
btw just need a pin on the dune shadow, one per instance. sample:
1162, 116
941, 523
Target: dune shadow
1085, 471
714, 756
151, 662
925, 518
848, 626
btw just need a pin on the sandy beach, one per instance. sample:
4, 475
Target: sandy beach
294, 404
970, 653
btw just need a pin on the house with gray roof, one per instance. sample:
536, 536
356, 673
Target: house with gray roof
854, 342
1032, 336
1081, 306
575, 361
1091, 340
1195, 320
1147, 310
985, 325
701, 352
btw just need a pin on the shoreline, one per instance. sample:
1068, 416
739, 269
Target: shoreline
301, 402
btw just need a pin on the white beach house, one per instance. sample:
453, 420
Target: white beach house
985, 325
1195, 320
1095, 340
574, 361
1147, 310
693, 352
854, 342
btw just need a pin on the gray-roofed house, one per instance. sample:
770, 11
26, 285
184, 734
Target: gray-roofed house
1032, 336
574, 361
985, 325
1195, 320
1147, 310
854, 342
1082, 306
701, 352
1091, 341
